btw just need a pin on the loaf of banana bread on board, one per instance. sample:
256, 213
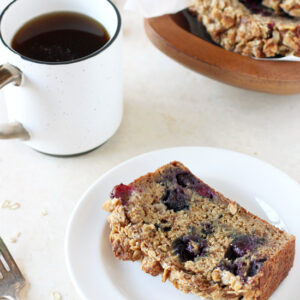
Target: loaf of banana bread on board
204, 243
248, 27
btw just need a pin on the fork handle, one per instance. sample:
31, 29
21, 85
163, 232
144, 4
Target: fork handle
10, 297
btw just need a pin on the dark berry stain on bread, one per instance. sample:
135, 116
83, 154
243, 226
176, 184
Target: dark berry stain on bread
256, 7
122, 192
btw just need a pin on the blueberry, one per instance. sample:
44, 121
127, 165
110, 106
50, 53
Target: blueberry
256, 7
186, 179
255, 266
237, 268
168, 176
271, 29
227, 266
122, 192
189, 247
205, 191
240, 268
240, 246
176, 200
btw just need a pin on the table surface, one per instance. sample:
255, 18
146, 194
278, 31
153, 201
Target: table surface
166, 105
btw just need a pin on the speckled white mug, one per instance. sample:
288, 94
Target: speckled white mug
63, 108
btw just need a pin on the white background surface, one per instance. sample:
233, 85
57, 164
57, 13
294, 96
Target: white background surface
165, 105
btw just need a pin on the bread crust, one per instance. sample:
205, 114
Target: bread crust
276, 269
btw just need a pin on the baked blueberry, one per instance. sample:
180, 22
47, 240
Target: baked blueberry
176, 200
189, 247
255, 266
238, 268
205, 191
227, 266
186, 179
256, 7
190, 181
240, 246
270, 29
122, 192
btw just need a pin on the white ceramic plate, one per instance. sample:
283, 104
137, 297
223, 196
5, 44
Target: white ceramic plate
257, 186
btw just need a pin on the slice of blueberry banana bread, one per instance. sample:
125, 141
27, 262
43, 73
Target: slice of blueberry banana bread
202, 242
248, 27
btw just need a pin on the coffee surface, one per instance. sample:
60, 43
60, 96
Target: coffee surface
60, 37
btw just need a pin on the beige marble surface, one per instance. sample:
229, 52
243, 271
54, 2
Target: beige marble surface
166, 105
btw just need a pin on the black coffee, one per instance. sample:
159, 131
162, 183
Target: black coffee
60, 37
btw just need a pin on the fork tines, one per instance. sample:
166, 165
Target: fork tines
8, 265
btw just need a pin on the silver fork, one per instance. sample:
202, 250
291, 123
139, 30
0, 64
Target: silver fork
12, 280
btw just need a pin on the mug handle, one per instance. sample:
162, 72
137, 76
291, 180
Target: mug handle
14, 130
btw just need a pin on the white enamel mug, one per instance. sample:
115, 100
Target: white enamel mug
63, 108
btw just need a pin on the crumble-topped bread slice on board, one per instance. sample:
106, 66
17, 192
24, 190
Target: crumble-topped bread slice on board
202, 242
248, 27
291, 7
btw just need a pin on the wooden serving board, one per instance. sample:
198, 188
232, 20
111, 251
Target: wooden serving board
171, 35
